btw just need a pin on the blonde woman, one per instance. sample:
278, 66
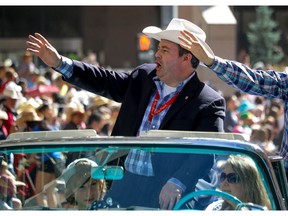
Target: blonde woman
241, 179
81, 189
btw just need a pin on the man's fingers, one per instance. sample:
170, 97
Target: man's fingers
169, 201
35, 40
189, 37
33, 45
163, 203
188, 47
171, 204
185, 47
186, 44
42, 39
185, 40
36, 52
187, 33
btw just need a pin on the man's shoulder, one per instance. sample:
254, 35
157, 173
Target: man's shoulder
212, 90
148, 67
146, 70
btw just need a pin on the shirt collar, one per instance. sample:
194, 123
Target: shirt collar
164, 89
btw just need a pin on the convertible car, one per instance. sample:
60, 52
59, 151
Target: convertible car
158, 170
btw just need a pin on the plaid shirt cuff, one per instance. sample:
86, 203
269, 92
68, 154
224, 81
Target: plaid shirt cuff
216, 64
66, 67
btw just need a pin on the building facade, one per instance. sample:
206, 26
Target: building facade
111, 31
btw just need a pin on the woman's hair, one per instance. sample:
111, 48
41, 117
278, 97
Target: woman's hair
254, 190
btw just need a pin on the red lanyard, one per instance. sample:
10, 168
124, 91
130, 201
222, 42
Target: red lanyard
163, 107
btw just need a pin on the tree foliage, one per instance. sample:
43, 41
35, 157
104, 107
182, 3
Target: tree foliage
263, 38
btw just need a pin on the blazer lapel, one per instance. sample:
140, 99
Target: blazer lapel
147, 92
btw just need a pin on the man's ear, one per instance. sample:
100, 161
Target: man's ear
188, 57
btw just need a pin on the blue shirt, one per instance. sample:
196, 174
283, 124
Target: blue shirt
269, 84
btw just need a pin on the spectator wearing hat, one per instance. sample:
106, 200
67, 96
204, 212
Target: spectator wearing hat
49, 113
167, 95
75, 116
81, 188
10, 95
30, 104
29, 120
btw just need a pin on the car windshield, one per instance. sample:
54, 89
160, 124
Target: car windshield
138, 173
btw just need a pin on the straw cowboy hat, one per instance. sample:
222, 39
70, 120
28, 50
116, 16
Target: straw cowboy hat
28, 116
172, 32
30, 104
74, 108
97, 101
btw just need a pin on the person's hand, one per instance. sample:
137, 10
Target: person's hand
191, 43
39, 46
169, 196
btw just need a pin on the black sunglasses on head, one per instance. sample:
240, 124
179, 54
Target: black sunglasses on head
232, 178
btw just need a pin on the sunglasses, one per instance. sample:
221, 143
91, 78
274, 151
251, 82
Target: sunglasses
232, 178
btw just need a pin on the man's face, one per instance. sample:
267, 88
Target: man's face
169, 63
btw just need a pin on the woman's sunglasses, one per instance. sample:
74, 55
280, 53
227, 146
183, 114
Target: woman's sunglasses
232, 178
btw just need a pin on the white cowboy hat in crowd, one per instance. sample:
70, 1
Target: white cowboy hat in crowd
12, 90
172, 32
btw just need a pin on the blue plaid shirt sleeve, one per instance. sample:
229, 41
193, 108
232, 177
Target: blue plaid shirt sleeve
269, 83
66, 67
